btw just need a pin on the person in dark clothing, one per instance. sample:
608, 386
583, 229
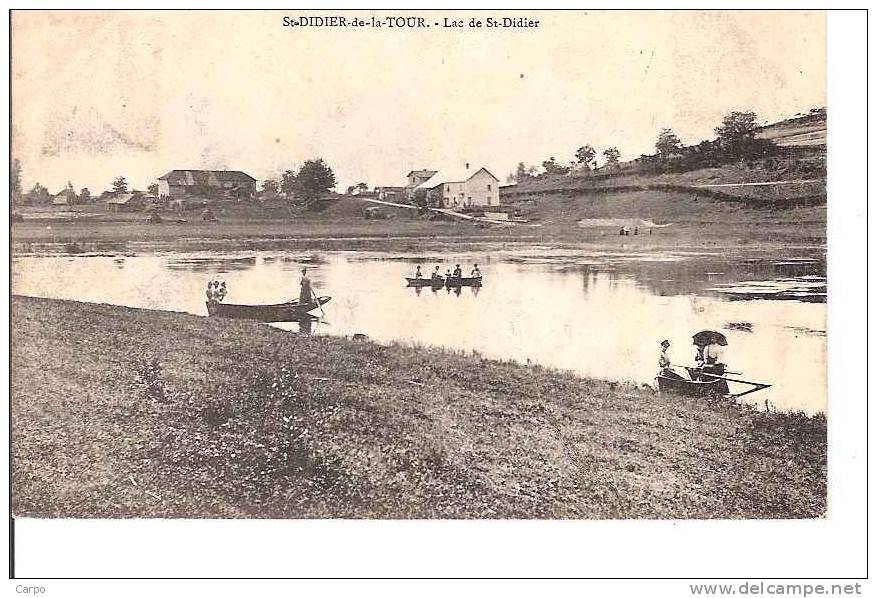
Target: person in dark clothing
306, 291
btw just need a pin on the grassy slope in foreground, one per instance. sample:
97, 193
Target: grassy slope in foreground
257, 422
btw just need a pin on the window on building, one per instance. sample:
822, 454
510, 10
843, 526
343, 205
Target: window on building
488, 187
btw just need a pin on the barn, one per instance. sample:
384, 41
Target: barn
465, 188
229, 184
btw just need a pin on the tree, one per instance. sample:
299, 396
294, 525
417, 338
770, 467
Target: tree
120, 184
736, 127
85, 195
38, 194
15, 181
152, 189
314, 179
552, 167
287, 183
520, 172
270, 188
611, 154
668, 143
585, 155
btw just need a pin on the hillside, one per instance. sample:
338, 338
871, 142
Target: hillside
132, 413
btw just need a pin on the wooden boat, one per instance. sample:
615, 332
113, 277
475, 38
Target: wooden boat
279, 312
692, 388
704, 384
425, 282
463, 281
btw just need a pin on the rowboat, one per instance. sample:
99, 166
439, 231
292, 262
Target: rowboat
704, 384
715, 387
279, 312
463, 281
425, 282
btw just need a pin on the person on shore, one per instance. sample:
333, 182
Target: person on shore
418, 274
476, 273
665, 367
306, 291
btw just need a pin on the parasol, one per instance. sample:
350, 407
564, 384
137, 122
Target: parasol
708, 337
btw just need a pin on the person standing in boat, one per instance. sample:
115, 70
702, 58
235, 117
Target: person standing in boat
436, 275
458, 272
418, 274
306, 292
665, 367
476, 273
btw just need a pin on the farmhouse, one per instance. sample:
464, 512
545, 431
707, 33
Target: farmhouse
230, 184
463, 188
125, 202
415, 179
66, 197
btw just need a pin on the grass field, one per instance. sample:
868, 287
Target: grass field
118, 412
698, 222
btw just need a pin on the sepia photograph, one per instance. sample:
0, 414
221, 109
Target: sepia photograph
418, 265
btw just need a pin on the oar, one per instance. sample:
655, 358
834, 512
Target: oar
320, 305
697, 367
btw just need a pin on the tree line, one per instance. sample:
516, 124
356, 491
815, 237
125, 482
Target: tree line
314, 179
735, 140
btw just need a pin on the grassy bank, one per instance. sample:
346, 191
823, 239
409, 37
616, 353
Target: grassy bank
119, 412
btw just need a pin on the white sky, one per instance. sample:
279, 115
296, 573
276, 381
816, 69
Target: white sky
140, 93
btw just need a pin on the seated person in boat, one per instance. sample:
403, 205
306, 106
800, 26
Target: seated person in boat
664, 365
476, 273
418, 274
712, 359
709, 360
210, 291
458, 272
221, 292
304, 295
436, 275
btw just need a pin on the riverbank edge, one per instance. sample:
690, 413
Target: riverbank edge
126, 405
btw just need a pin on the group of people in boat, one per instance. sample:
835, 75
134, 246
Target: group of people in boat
708, 360
457, 273
216, 291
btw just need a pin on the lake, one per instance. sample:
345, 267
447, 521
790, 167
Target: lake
599, 313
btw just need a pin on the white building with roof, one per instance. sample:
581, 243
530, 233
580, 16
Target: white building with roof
463, 188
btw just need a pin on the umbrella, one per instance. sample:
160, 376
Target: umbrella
707, 337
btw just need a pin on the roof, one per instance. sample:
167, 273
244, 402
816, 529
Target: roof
122, 198
426, 173
452, 176
202, 177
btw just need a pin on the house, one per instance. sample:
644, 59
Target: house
230, 184
391, 193
463, 188
125, 202
66, 197
417, 178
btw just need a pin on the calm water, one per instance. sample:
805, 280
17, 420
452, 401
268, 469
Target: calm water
600, 314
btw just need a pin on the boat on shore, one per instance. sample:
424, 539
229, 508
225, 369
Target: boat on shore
694, 386
279, 312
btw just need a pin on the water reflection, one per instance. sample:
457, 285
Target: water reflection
599, 314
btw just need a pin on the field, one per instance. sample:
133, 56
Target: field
131, 413
698, 221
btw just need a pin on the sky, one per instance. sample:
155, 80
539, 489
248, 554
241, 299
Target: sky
138, 93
